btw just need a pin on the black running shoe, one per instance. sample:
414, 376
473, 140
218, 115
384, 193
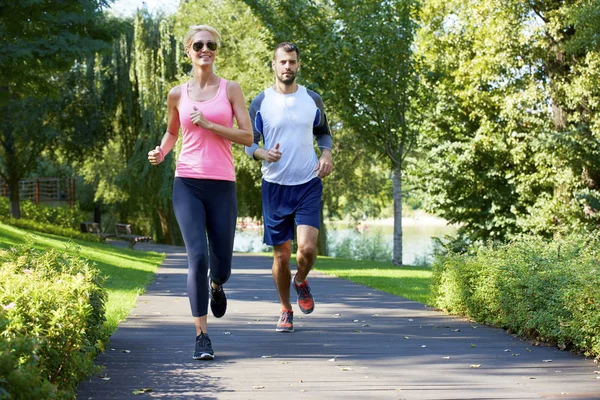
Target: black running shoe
204, 349
218, 301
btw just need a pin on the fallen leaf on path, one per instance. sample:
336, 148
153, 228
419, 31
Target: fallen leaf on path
142, 391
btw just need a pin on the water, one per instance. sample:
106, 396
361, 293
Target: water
417, 242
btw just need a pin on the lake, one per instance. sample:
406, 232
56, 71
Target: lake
417, 242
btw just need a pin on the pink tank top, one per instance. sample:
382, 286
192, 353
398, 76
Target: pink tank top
205, 155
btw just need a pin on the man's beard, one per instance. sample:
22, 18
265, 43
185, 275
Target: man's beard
287, 81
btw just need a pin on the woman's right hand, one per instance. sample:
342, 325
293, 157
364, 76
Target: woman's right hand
156, 156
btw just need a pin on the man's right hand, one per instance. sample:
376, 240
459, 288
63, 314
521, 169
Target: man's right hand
273, 155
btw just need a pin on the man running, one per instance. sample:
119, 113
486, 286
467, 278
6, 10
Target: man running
289, 117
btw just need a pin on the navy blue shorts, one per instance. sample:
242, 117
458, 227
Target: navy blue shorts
283, 205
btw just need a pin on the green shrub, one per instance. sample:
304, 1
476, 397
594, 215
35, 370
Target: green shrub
549, 290
20, 375
64, 217
56, 301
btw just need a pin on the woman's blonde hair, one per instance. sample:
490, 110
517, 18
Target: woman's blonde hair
188, 40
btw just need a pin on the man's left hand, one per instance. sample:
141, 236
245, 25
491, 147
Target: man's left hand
325, 166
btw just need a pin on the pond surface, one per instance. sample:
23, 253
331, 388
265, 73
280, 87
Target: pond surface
417, 242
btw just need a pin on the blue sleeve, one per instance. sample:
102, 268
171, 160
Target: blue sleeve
320, 125
257, 124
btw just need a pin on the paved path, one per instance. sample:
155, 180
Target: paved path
358, 344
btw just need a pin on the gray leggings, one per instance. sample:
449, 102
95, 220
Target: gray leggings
205, 208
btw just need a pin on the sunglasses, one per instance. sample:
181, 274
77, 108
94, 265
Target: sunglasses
212, 46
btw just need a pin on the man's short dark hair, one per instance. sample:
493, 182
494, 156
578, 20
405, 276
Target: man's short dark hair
287, 47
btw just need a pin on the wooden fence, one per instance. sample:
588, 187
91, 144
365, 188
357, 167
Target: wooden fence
44, 190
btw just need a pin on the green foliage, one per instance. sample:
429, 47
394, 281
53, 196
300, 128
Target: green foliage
510, 135
134, 79
542, 289
63, 221
361, 184
20, 374
39, 42
53, 313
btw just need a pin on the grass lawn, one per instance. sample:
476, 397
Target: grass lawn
128, 272
407, 281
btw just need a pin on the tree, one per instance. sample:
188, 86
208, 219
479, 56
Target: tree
510, 139
137, 75
359, 57
39, 40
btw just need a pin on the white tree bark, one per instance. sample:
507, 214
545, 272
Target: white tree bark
397, 181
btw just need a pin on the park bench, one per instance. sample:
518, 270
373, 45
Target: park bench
94, 228
123, 231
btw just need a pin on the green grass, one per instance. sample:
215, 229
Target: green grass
407, 281
127, 271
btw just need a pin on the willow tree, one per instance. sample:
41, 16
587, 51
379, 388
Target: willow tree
358, 56
142, 68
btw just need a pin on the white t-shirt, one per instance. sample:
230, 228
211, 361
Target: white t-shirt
294, 121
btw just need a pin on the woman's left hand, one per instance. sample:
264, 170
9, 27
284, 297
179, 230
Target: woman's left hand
199, 119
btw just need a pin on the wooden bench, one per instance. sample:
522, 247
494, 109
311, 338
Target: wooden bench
94, 228
123, 231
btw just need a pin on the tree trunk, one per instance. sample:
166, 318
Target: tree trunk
98, 212
322, 241
166, 233
11, 172
397, 180
15, 204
